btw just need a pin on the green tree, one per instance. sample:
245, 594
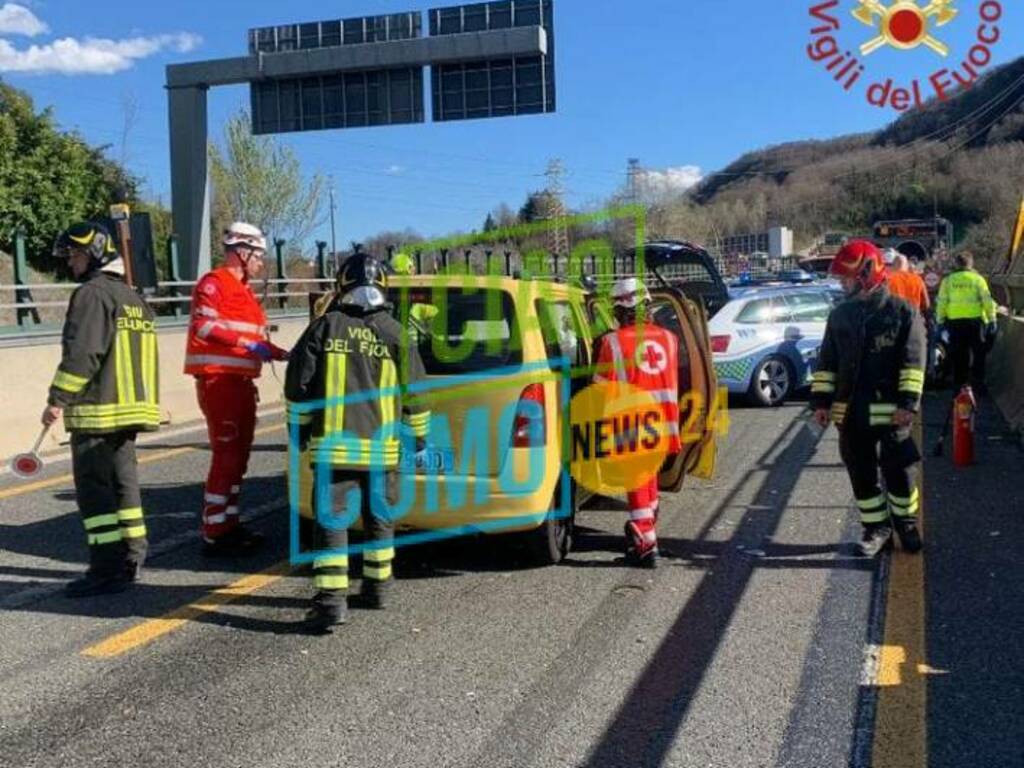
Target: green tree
50, 178
255, 179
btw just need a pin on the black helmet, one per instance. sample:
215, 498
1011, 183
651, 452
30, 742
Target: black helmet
361, 269
87, 236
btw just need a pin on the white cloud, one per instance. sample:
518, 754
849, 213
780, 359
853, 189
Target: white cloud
91, 55
18, 20
395, 170
670, 180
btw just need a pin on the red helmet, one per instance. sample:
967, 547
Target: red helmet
862, 261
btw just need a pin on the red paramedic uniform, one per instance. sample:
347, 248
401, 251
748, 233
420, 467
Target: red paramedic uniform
225, 316
646, 356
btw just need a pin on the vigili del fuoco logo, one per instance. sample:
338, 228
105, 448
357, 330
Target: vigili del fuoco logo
846, 34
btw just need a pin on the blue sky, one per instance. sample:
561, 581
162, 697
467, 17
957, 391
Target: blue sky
675, 83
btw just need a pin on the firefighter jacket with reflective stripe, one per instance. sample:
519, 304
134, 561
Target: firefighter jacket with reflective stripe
225, 316
107, 380
872, 360
646, 356
351, 371
964, 295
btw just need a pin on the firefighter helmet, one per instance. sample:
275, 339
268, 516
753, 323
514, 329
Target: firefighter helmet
361, 269
241, 233
860, 260
86, 236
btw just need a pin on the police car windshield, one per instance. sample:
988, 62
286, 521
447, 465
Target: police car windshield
460, 331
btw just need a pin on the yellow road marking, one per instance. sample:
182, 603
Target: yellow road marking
901, 727
38, 485
148, 631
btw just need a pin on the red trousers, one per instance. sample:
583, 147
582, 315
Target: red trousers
229, 405
643, 517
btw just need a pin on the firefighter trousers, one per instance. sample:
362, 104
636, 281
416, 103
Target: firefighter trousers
643, 517
340, 497
107, 487
229, 405
865, 451
967, 352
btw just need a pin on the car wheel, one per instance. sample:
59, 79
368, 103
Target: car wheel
772, 381
549, 543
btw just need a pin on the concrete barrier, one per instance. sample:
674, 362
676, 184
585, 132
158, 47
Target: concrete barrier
1005, 370
26, 372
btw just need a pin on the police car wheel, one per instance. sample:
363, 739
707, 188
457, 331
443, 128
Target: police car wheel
551, 541
772, 381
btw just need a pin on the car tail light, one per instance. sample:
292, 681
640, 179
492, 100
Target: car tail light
720, 343
526, 431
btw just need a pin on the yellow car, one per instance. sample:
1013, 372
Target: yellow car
502, 357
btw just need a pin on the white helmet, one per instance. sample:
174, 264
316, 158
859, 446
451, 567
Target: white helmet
889, 256
241, 233
628, 292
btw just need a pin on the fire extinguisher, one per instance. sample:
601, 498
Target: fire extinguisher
964, 407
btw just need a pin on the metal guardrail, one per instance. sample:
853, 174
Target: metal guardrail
170, 300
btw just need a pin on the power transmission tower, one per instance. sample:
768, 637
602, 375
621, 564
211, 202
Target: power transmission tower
559, 233
633, 180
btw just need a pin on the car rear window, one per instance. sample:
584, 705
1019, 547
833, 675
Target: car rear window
756, 311
460, 331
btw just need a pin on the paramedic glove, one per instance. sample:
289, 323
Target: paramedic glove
280, 354
261, 349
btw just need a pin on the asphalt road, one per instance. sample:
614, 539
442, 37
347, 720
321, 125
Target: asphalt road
747, 648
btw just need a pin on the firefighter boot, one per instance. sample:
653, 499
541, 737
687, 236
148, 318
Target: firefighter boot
908, 533
373, 594
98, 583
328, 611
876, 537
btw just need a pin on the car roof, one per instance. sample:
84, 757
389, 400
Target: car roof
515, 286
745, 292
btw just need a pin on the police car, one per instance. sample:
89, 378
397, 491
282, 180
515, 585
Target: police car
765, 340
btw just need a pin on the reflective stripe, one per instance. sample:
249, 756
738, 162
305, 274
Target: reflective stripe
874, 517
132, 513
824, 376
215, 519
69, 382
882, 407
296, 416
905, 501
104, 538
125, 368
213, 498
151, 394
236, 362
206, 329
236, 325
663, 395
207, 312
644, 513
235, 488
618, 363
334, 413
98, 521
231, 511
330, 581
822, 388
387, 393
331, 561
419, 422
379, 555
135, 532
376, 573
868, 504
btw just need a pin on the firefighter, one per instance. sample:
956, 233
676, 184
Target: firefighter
869, 382
966, 310
106, 387
353, 362
227, 346
646, 356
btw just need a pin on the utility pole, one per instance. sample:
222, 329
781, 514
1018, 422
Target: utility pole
334, 247
559, 233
